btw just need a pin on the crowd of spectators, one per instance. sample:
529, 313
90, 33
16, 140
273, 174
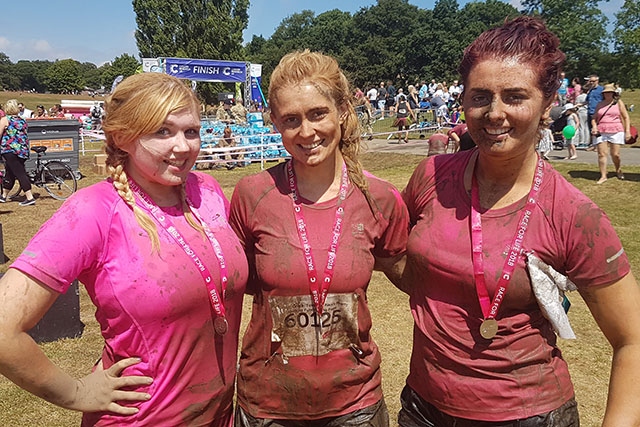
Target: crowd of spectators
438, 96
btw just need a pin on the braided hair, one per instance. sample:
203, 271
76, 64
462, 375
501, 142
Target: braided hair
139, 106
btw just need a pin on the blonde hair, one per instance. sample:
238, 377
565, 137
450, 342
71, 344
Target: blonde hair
324, 73
11, 107
139, 106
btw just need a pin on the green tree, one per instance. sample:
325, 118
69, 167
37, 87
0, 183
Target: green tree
327, 32
192, 29
627, 45
91, 74
581, 27
123, 65
445, 25
330, 32
32, 74
478, 17
8, 80
378, 42
65, 76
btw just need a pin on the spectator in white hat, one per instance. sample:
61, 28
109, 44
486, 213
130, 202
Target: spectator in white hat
569, 110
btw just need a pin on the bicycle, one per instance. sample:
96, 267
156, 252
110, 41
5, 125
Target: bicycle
54, 176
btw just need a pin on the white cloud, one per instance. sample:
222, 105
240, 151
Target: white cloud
41, 46
5, 43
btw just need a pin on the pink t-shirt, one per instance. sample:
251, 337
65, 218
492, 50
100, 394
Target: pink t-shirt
608, 119
458, 129
285, 370
149, 305
438, 143
520, 372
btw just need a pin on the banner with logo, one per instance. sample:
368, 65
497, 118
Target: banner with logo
256, 79
151, 65
206, 70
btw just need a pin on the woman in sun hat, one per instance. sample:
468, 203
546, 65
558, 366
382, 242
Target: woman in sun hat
611, 125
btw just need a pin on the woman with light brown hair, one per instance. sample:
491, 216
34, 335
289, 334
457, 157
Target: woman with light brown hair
155, 252
314, 228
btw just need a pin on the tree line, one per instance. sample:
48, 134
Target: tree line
62, 76
389, 40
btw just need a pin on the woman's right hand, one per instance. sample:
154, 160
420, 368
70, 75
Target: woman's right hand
23, 302
102, 390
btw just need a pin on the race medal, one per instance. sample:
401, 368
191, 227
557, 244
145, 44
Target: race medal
489, 328
220, 325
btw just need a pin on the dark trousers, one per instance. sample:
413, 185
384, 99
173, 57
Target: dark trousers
372, 416
14, 169
416, 412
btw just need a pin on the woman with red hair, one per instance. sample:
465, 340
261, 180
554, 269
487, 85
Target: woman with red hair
497, 234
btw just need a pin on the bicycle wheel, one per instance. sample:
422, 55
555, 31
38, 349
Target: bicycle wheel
58, 179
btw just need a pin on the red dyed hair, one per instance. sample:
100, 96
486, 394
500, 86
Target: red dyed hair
526, 39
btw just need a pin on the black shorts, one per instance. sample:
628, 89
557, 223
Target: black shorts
373, 416
416, 412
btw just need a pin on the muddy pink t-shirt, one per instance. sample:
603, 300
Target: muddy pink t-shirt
286, 370
520, 372
149, 305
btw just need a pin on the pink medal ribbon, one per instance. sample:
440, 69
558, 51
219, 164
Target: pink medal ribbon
220, 323
318, 289
489, 326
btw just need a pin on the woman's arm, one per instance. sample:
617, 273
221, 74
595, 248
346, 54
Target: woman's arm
616, 309
413, 114
594, 121
394, 269
626, 122
23, 302
3, 125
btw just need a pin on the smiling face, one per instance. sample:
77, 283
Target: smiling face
160, 161
309, 123
504, 106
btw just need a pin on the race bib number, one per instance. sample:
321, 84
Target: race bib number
303, 332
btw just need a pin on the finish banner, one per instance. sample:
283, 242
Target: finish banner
206, 70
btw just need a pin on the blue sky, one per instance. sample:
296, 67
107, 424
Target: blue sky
98, 31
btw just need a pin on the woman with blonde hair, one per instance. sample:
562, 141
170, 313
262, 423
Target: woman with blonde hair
314, 228
155, 252
14, 147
